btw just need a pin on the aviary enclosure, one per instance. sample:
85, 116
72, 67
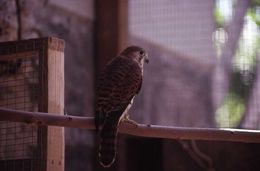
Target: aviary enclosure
198, 108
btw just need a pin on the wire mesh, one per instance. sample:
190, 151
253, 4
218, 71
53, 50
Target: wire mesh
18, 90
186, 42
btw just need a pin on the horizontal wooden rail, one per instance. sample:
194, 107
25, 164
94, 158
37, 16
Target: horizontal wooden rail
50, 119
144, 130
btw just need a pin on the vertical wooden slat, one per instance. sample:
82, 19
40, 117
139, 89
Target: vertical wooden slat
51, 99
41, 157
55, 136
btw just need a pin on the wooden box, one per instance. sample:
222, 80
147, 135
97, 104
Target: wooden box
32, 79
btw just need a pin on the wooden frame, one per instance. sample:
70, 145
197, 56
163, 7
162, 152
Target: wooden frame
50, 53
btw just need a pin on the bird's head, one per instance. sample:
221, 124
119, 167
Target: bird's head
136, 53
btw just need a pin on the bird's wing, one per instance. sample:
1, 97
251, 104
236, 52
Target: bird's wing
118, 84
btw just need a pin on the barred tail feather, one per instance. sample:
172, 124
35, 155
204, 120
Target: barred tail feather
108, 136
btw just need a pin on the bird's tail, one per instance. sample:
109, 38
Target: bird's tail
107, 146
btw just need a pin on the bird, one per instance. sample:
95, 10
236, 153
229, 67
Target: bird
119, 82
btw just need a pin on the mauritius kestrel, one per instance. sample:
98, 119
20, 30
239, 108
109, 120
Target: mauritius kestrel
118, 84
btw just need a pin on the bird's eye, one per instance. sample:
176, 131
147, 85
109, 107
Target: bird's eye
141, 52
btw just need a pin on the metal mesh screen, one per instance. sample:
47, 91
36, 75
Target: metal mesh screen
180, 26
18, 90
203, 67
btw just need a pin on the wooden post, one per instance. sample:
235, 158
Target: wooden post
55, 82
111, 29
111, 34
51, 77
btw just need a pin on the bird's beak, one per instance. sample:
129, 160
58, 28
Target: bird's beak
146, 59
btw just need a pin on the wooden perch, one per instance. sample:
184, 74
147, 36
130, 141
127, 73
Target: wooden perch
155, 131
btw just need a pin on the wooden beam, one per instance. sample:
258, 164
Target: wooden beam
143, 130
55, 83
111, 29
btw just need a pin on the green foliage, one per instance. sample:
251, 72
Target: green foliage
254, 3
219, 18
252, 13
244, 72
241, 86
233, 108
229, 114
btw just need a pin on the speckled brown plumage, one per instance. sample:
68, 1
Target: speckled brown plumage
118, 83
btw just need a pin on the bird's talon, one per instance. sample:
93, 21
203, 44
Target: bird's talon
129, 121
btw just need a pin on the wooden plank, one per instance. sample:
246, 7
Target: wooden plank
55, 82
